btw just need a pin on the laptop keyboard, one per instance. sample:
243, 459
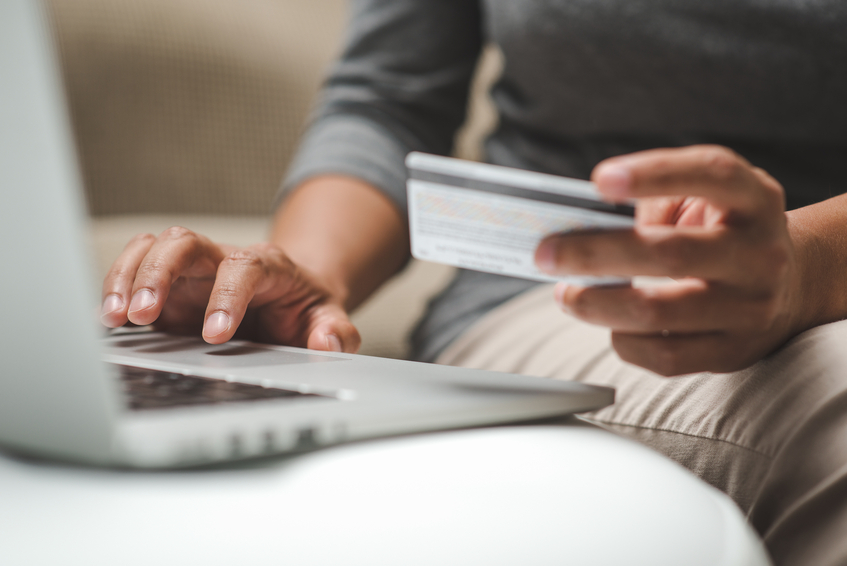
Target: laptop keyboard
146, 389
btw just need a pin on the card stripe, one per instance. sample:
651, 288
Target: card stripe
535, 195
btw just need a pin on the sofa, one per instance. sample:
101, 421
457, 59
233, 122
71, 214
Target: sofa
187, 112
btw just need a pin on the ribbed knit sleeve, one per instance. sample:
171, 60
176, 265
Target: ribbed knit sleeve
400, 85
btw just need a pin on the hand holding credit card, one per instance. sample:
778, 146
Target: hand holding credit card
490, 218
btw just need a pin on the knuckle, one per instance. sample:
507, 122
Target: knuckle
154, 271
771, 186
774, 192
722, 163
224, 292
272, 256
246, 258
120, 272
177, 233
143, 238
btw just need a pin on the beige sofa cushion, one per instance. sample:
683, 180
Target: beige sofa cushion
191, 105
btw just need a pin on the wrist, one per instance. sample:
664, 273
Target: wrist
802, 293
345, 233
820, 281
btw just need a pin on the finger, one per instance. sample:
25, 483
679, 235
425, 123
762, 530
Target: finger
176, 252
117, 286
675, 355
688, 306
659, 210
261, 276
717, 253
332, 331
241, 275
716, 173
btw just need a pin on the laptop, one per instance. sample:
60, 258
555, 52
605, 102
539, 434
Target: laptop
151, 400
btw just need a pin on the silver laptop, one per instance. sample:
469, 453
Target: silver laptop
151, 400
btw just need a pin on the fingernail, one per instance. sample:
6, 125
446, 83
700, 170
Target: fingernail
333, 344
142, 300
545, 256
113, 302
216, 324
614, 180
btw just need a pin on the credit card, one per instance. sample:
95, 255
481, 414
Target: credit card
491, 218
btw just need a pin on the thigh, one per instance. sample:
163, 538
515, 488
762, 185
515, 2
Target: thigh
773, 436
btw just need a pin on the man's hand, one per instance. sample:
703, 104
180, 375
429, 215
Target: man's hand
716, 225
181, 280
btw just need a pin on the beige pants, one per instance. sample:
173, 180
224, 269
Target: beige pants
773, 437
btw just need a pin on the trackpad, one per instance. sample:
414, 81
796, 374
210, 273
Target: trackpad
194, 351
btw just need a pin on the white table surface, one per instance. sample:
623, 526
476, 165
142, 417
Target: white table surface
518, 495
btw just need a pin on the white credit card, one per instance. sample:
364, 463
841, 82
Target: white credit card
490, 218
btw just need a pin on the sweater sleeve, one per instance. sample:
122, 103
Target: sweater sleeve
400, 85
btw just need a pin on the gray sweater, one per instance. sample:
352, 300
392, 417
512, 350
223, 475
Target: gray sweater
583, 80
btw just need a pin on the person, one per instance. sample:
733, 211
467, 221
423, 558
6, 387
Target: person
716, 117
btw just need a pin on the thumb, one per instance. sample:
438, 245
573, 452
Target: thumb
332, 331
